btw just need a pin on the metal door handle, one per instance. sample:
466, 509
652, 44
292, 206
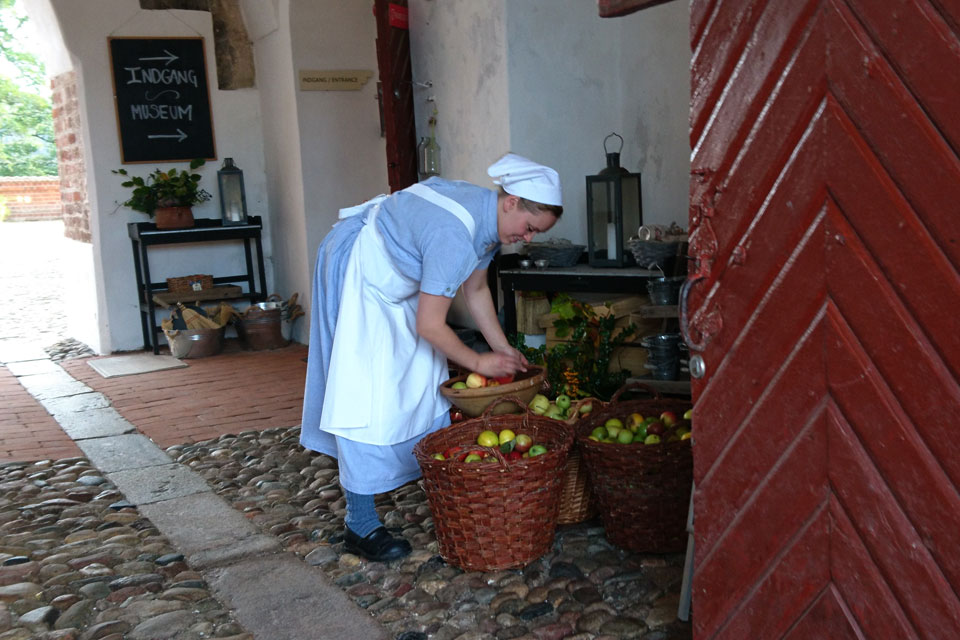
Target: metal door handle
684, 320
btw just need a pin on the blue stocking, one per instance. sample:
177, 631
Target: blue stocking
361, 517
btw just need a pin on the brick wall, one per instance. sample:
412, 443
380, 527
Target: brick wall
31, 198
69, 139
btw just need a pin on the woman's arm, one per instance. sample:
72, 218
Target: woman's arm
432, 326
476, 293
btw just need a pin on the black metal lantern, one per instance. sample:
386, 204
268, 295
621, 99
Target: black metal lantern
233, 198
614, 210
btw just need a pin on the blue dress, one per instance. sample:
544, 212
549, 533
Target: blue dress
424, 243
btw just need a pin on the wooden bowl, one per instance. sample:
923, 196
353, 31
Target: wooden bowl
473, 401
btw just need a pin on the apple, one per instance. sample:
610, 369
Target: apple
539, 404
563, 401
506, 436
553, 412
537, 450
585, 408
668, 418
523, 442
488, 439
438, 456
504, 379
472, 457
634, 420
599, 433
475, 381
686, 436
625, 436
613, 422
613, 431
452, 452
492, 383
652, 439
459, 384
688, 414
656, 428
513, 455
456, 415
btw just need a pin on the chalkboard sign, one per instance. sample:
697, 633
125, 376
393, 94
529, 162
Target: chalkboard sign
162, 99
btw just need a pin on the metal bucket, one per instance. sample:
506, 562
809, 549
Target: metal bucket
261, 329
665, 291
194, 343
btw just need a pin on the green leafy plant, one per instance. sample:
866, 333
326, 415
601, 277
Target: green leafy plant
581, 365
170, 188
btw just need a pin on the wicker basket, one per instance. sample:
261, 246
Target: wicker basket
184, 284
557, 254
576, 498
651, 254
494, 515
642, 491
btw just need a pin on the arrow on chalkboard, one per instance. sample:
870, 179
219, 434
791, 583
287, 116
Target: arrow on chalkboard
169, 57
179, 135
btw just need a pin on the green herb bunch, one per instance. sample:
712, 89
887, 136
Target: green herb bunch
586, 355
171, 188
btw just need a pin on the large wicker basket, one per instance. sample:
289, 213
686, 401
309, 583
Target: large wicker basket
500, 514
642, 491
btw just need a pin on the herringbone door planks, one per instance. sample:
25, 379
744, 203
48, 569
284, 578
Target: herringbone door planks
826, 162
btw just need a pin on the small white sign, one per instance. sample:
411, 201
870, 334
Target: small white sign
340, 80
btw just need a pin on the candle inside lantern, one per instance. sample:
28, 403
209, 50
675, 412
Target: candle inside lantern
611, 241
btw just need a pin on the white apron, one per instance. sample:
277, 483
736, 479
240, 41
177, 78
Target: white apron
383, 378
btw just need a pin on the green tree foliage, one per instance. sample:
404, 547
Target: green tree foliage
26, 118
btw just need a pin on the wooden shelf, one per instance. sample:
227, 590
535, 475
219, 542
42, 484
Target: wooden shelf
675, 387
219, 292
657, 311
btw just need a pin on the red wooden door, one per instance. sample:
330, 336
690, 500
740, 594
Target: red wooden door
826, 206
396, 79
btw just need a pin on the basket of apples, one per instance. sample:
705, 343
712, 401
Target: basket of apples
472, 393
493, 486
639, 459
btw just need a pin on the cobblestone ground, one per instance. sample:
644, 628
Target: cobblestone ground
583, 589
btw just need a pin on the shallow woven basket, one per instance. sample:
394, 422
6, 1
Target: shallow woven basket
473, 402
186, 283
494, 515
650, 254
642, 491
558, 255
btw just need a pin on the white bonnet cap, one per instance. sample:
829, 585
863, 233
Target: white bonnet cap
526, 179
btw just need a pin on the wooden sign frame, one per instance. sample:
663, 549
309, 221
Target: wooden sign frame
161, 99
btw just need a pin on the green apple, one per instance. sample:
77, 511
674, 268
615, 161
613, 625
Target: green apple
585, 408
625, 436
613, 422
539, 404
563, 401
553, 412
537, 450
460, 384
688, 414
473, 458
599, 433
652, 439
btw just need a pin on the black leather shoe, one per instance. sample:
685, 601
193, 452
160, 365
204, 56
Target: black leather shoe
378, 546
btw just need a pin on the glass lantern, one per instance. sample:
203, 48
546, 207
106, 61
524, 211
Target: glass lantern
614, 211
233, 199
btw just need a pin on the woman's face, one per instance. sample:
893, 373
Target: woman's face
519, 224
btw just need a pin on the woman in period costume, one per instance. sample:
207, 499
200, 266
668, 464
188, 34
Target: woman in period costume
385, 277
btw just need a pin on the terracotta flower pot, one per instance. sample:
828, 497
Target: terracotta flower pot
173, 217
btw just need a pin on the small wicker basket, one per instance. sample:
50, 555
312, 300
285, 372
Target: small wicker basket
576, 499
494, 515
643, 491
185, 284
557, 254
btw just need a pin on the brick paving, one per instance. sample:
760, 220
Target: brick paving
27, 431
229, 393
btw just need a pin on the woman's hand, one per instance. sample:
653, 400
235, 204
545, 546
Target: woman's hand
494, 364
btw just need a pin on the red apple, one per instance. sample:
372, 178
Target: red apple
656, 428
504, 379
668, 418
450, 453
513, 455
475, 381
523, 443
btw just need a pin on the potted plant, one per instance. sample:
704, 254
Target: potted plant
168, 195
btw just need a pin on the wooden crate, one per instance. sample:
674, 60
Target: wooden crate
622, 308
